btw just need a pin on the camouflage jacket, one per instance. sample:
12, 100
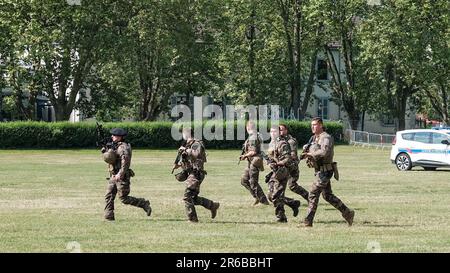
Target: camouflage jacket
282, 151
194, 155
121, 167
253, 144
294, 147
322, 149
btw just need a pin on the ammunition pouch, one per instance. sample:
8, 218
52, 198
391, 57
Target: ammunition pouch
199, 174
257, 161
281, 173
330, 167
326, 167
182, 176
325, 176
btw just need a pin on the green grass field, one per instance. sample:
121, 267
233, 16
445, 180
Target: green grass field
49, 198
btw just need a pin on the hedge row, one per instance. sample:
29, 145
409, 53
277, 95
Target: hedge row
140, 134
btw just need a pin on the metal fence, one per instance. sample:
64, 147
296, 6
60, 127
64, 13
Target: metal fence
363, 138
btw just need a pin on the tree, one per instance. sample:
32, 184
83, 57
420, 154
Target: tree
394, 48
291, 14
436, 81
251, 54
56, 49
340, 21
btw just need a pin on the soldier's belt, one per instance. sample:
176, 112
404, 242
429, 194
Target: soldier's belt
330, 167
326, 167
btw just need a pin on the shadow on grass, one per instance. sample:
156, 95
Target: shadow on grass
355, 209
247, 223
377, 224
422, 170
209, 221
363, 224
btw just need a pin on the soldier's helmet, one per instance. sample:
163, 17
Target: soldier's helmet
109, 156
118, 132
182, 176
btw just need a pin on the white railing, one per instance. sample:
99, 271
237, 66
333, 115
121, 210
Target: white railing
367, 139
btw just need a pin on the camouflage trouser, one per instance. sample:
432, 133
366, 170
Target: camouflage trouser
123, 189
191, 197
292, 182
322, 184
292, 203
249, 180
276, 196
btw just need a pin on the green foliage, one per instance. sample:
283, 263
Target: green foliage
140, 134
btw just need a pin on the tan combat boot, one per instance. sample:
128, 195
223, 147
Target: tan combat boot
214, 209
295, 208
348, 216
147, 208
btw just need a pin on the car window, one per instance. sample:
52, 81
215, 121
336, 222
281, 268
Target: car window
422, 137
408, 136
438, 138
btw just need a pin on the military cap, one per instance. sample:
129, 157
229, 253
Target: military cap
118, 132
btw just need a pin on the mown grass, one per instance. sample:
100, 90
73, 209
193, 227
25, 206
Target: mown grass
49, 198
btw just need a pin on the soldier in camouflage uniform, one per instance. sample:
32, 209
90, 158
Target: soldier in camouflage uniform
293, 169
320, 157
119, 159
252, 153
274, 134
193, 158
278, 180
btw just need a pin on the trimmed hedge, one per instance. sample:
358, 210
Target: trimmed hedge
140, 134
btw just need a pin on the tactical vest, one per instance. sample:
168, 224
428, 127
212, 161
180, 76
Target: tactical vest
196, 159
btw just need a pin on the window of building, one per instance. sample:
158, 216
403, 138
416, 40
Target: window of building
388, 120
322, 108
322, 70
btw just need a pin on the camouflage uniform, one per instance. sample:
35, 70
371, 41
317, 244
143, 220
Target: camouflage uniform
250, 177
121, 183
292, 203
322, 151
279, 178
193, 172
294, 171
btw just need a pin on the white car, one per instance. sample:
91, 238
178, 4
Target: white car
427, 148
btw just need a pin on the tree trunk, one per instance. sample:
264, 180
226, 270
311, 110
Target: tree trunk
293, 41
354, 121
1, 105
362, 120
297, 57
251, 55
309, 86
342, 90
401, 99
60, 114
445, 102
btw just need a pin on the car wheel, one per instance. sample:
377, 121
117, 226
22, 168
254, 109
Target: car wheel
403, 162
429, 168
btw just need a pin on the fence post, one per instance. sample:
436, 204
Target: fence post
368, 139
